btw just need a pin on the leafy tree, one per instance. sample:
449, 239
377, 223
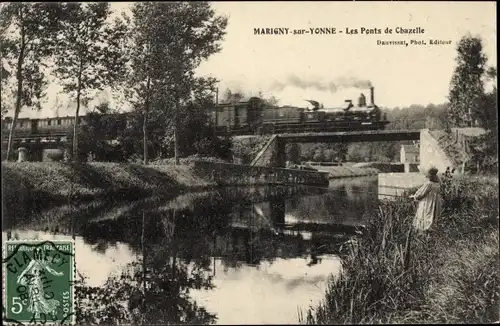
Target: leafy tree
319, 156
154, 290
322, 152
466, 86
488, 116
198, 129
293, 153
170, 41
232, 97
97, 136
89, 53
271, 101
25, 33
484, 149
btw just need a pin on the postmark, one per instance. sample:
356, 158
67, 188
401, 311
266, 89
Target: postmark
38, 284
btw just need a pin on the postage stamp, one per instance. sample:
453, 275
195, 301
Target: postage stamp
39, 282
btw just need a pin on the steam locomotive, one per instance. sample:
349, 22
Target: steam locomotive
255, 117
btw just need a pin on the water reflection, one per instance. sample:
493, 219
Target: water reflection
186, 260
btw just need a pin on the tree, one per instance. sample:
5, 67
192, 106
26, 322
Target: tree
96, 136
25, 33
293, 153
484, 149
232, 97
170, 41
488, 115
466, 86
89, 53
197, 126
270, 101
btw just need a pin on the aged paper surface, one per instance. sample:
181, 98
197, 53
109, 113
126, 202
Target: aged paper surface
231, 159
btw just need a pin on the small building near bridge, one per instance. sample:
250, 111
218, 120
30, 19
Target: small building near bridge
410, 157
409, 154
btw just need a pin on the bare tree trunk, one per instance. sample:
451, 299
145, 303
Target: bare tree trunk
145, 138
173, 247
143, 238
145, 125
143, 262
75, 125
19, 76
176, 136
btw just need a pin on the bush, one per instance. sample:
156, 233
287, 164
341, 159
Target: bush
55, 155
448, 273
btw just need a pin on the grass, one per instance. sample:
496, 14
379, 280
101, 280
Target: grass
446, 275
53, 181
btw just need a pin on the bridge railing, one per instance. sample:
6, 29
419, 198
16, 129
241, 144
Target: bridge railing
226, 174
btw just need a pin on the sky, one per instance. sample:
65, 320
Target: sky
323, 67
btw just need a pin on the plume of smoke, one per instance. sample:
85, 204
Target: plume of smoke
331, 86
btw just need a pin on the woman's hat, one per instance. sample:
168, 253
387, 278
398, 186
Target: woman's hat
432, 171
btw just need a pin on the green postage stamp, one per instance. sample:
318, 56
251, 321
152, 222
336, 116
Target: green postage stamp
38, 282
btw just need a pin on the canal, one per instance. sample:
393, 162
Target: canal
231, 256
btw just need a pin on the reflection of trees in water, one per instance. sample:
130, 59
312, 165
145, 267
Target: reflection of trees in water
344, 202
177, 240
159, 297
155, 290
63, 219
240, 246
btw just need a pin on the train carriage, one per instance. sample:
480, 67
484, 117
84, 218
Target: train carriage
241, 117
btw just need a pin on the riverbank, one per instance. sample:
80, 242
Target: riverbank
448, 275
335, 172
38, 184
42, 182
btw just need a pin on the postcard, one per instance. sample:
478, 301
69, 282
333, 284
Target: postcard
249, 162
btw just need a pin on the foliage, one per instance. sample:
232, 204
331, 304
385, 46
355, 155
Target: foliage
26, 31
52, 180
89, 50
89, 53
232, 97
323, 152
170, 39
488, 115
245, 150
197, 135
466, 86
293, 153
56, 156
396, 276
100, 136
484, 153
413, 117
161, 296
198, 131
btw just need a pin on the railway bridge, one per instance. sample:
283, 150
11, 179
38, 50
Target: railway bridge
273, 153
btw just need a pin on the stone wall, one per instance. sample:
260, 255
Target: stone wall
392, 185
347, 171
268, 155
225, 174
431, 154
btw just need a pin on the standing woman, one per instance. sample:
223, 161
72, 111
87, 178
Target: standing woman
429, 198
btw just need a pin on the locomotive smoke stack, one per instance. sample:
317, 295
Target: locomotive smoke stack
362, 100
372, 96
